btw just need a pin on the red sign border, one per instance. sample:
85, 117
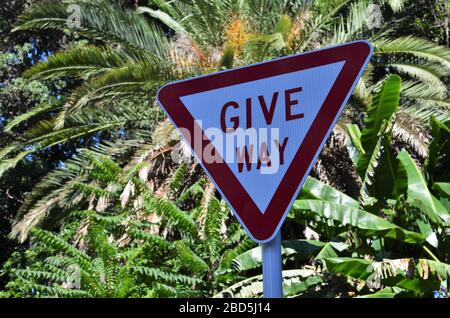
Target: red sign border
262, 227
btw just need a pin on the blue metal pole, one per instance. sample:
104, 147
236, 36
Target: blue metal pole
272, 269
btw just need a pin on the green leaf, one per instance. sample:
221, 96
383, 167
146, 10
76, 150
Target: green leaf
372, 163
423, 101
388, 292
443, 188
368, 223
438, 161
300, 249
284, 26
163, 17
396, 5
420, 276
380, 176
78, 61
427, 230
327, 252
226, 61
295, 281
188, 258
417, 191
384, 105
354, 145
316, 189
298, 285
440, 268
177, 218
354, 267
429, 74
165, 275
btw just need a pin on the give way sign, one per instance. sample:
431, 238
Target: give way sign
257, 130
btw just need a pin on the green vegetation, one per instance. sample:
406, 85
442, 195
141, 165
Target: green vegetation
98, 208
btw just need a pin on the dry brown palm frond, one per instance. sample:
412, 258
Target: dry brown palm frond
412, 134
127, 193
165, 134
156, 153
187, 55
334, 165
81, 233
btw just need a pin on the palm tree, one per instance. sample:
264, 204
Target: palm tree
139, 50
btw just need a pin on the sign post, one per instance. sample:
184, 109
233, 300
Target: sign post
272, 268
257, 131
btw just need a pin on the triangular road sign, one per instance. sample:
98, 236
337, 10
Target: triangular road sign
257, 130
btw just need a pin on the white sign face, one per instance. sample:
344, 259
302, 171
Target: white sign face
274, 115
258, 130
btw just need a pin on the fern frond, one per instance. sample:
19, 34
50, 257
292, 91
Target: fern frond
165, 275
41, 275
177, 180
164, 290
149, 238
213, 228
54, 241
189, 259
177, 219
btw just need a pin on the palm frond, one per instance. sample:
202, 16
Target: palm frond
100, 20
79, 61
416, 47
35, 111
353, 24
422, 101
396, 5
411, 132
133, 79
429, 74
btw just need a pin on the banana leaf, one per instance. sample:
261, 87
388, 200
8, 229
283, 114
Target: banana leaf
316, 189
384, 105
418, 193
300, 249
368, 223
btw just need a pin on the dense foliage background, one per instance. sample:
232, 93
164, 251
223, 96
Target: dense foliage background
93, 204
